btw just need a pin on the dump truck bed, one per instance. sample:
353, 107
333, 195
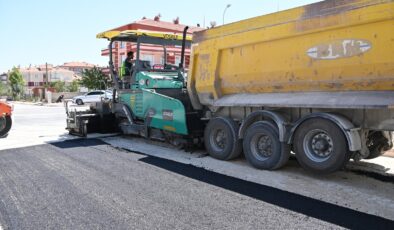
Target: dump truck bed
319, 49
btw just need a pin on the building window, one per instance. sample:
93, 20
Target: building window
55, 77
177, 60
147, 57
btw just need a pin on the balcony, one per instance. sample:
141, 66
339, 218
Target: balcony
105, 52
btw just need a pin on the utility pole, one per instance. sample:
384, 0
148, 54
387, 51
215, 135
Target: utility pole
46, 79
46, 73
225, 9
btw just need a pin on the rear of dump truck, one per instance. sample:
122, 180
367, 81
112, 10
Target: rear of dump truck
317, 80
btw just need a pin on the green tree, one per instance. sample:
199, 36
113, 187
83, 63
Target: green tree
4, 89
17, 83
73, 86
59, 86
94, 79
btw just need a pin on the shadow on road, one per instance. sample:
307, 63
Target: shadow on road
78, 143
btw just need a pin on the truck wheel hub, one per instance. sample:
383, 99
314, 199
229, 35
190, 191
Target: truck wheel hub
265, 146
220, 139
262, 146
318, 145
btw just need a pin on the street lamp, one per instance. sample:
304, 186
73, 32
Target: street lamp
225, 9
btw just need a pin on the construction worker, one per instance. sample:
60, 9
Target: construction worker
127, 66
126, 70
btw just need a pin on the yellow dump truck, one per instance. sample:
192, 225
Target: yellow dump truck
317, 80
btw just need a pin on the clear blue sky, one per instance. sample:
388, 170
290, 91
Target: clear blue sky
58, 31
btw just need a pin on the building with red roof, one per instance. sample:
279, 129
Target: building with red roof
77, 67
150, 53
36, 77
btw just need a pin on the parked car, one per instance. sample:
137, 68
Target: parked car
93, 96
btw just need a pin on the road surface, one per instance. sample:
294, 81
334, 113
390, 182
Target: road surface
33, 124
86, 184
48, 181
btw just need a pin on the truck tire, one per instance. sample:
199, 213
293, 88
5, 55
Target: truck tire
221, 139
5, 125
262, 147
321, 146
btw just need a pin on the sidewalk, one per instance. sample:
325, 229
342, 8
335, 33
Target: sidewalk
37, 103
389, 153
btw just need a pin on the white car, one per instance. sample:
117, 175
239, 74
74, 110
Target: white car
93, 96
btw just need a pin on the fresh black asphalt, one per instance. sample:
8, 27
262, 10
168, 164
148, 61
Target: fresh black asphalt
86, 184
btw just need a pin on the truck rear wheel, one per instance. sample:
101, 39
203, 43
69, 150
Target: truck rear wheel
320, 146
221, 139
262, 147
5, 125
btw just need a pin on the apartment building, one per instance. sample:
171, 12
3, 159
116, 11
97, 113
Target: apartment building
150, 53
